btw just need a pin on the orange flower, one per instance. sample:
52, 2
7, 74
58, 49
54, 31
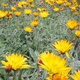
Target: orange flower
34, 23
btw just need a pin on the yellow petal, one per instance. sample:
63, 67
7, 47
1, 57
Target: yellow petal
67, 54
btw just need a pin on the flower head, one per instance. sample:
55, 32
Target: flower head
34, 23
15, 62
13, 8
27, 11
28, 29
2, 14
35, 14
52, 63
77, 33
17, 13
44, 14
60, 1
4, 5
63, 46
56, 9
58, 77
76, 76
71, 24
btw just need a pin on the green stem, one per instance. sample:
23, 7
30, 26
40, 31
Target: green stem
20, 75
14, 76
6, 77
75, 47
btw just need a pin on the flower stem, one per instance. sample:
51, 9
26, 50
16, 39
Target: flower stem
20, 75
14, 76
6, 76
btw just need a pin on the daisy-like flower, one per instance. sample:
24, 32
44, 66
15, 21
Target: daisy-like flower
44, 14
58, 77
71, 24
56, 9
4, 5
76, 76
28, 29
15, 62
53, 63
27, 11
35, 14
2, 14
13, 8
63, 46
8, 14
17, 13
59, 1
77, 33
30, 1
34, 23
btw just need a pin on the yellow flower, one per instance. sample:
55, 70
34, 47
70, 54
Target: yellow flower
56, 9
53, 63
44, 14
39, 9
34, 23
28, 29
27, 11
58, 77
63, 46
21, 4
8, 14
32, 5
73, 8
13, 8
17, 13
67, 3
76, 76
71, 24
77, 33
4, 5
15, 62
35, 14
60, 1
30, 1
2, 14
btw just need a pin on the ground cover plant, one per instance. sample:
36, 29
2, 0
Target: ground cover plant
39, 40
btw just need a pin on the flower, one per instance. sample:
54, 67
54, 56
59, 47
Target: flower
17, 13
77, 33
58, 77
28, 29
56, 9
60, 1
53, 63
30, 1
2, 14
76, 76
63, 46
44, 14
76, 13
4, 5
35, 14
8, 14
67, 3
71, 24
34, 23
21, 4
27, 11
15, 62
13, 8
